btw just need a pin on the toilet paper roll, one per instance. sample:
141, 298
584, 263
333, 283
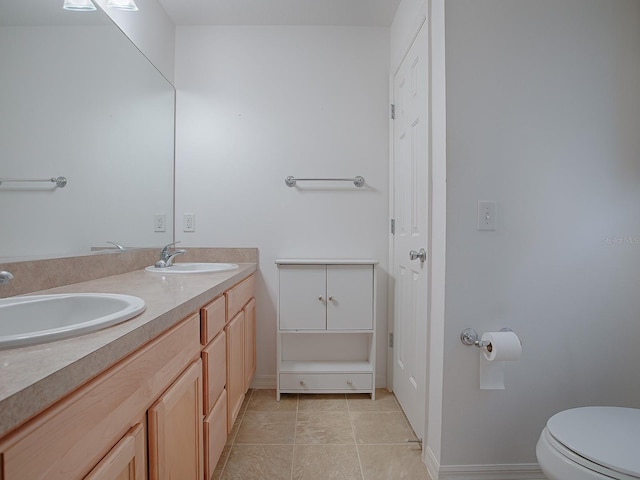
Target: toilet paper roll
505, 346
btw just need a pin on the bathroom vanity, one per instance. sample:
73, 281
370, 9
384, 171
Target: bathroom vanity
162, 389
326, 326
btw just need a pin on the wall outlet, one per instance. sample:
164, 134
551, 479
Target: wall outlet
160, 222
189, 222
487, 216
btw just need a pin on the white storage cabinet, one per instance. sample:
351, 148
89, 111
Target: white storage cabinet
326, 326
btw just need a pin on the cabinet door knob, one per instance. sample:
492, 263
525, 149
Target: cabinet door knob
302, 383
331, 298
320, 298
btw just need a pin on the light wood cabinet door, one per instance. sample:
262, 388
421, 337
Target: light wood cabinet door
175, 429
249, 342
235, 368
125, 461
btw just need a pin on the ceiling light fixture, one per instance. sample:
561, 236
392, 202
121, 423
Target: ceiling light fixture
79, 5
129, 5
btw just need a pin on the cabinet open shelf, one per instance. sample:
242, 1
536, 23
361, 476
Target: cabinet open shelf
325, 367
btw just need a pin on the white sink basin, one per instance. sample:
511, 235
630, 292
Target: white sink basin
193, 268
43, 318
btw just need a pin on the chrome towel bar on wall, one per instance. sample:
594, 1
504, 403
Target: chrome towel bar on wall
357, 181
59, 181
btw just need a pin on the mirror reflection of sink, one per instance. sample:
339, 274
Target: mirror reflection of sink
37, 319
203, 267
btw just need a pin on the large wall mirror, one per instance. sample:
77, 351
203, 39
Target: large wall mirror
79, 100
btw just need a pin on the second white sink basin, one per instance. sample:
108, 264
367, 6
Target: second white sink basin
203, 267
37, 319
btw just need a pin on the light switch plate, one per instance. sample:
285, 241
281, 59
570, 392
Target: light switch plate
189, 222
159, 222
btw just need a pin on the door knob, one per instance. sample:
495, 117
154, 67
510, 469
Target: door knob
422, 255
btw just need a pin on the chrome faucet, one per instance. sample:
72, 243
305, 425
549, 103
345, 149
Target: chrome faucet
5, 277
167, 255
117, 245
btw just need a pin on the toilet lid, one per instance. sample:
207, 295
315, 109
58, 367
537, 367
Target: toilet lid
608, 436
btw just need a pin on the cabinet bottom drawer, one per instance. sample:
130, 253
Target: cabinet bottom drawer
326, 381
215, 434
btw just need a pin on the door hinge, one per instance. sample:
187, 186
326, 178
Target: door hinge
393, 112
391, 340
393, 226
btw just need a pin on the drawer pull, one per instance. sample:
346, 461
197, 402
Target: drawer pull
302, 383
350, 383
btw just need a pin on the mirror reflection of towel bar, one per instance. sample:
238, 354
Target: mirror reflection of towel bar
357, 181
59, 181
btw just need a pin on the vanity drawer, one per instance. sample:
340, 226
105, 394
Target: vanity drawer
212, 318
326, 381
238, 296
215, 434
214, 361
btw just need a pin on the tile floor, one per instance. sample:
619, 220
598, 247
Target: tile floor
320, 437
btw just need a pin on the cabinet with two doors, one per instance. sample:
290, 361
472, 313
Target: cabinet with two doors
161, 413
326, 326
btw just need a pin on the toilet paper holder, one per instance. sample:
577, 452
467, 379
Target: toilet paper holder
470, 337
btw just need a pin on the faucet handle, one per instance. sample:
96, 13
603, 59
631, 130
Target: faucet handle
165, 251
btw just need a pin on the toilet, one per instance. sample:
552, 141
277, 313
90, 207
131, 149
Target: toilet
591, 443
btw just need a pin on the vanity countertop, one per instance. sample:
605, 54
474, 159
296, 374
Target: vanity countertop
34, 377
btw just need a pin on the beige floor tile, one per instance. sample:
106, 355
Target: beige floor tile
380, 427
267, 428
397, 462
324, 428
265, 400
325, 402
326, 462
361, 402
259, 462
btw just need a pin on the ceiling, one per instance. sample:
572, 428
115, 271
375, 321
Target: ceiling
282, 12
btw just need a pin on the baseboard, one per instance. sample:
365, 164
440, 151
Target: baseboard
517, 471
433, 466
264, 381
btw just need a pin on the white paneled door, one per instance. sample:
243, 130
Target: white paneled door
410, 242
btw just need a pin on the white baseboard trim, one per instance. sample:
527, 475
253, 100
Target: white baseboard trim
433, 466
517, 471
264, 381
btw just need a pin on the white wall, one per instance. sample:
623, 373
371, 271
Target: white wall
151, 30
543, 110
257, 104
